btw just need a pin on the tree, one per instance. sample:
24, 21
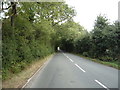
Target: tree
98, 37
67, 35
13, 9
29, 32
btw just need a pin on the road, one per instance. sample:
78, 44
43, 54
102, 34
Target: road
66, 70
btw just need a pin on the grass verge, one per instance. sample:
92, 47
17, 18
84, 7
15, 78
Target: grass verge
113, 64
18, 80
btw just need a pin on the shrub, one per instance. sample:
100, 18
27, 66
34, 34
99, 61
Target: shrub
106, 58
85, 54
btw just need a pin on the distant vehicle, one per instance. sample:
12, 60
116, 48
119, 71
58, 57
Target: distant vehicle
58, 48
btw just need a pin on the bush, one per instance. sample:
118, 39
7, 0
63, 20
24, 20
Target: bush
21, 46
85, 54
106, 58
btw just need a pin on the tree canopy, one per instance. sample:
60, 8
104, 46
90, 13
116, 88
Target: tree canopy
33, 30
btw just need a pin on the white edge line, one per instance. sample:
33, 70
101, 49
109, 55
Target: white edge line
33, 75
101, 84
80, 67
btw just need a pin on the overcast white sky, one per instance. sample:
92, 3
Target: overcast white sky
88, 10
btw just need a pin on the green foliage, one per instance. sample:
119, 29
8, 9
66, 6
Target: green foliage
33, 35
102, 42
83, 44
67, 34
26, 46
106, 58
105, 39
39, 29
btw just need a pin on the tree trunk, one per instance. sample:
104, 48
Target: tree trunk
13, 13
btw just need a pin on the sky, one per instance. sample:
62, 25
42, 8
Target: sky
88, 10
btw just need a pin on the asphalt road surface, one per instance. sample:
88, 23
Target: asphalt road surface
66, 70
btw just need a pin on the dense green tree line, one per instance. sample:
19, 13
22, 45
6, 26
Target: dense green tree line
28, 32
103, 42
34, 30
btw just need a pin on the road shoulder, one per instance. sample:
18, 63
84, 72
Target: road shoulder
20, 79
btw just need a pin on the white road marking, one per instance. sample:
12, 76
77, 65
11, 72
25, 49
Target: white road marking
75, 64
68, 58
34, 75
64, 54
101, 84
71, 60
80, 67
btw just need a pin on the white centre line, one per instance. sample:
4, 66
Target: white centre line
101, 84
80, 67
75, 64
68, 58
71, 60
